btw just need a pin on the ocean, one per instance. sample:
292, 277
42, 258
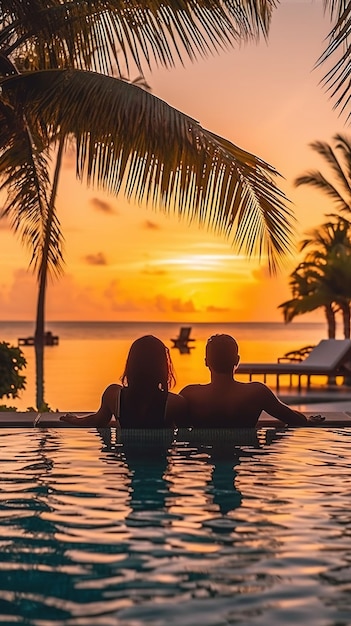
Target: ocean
91, 355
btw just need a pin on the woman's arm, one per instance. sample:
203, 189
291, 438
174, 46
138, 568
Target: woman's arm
176, 410
103, 416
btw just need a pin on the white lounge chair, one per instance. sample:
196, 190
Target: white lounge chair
328, 358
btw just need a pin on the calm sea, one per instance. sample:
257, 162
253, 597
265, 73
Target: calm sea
91, 355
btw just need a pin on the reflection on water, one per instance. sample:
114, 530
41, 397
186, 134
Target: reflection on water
105, 528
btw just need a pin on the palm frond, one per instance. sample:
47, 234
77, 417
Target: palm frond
310, 291
327, 152
300, 306
343, 144
24, 177
127, 139
316, 179
94, 34
337, 79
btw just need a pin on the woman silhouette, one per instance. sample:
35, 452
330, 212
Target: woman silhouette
143, 400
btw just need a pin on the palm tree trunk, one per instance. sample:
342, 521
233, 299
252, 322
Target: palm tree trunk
346, 316
43, 273
331, 322
330, 315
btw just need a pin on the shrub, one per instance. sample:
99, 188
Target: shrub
12, 361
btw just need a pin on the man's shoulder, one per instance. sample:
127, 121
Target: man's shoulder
260, 387
175, 398
253, 385
253, 391
191, 389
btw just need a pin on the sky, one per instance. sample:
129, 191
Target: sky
124, 262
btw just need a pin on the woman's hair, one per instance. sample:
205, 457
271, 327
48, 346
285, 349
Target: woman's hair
149, 365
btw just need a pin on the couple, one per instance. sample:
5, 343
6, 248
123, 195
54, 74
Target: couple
144, 400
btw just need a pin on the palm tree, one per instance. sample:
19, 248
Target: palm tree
323, 279
123, 135
309, 293
329, 250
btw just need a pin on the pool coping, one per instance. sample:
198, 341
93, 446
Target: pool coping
32, 419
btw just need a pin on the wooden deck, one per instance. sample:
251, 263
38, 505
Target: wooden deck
49, 340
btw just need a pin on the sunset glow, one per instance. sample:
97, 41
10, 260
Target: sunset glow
125, 262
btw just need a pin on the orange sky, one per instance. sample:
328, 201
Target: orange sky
129, 263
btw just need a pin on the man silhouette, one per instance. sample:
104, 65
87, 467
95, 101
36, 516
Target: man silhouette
228, 403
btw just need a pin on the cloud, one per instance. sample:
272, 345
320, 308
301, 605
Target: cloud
119, 300
96, 259
149, 225
69, 300
217, 309
103, 206
259, 298
151, 271
174, 305
65, 299
18, 300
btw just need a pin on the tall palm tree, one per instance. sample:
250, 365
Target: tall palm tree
125, 138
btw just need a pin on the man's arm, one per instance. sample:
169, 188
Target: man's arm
272, 405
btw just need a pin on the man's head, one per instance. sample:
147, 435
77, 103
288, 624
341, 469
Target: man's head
222, 354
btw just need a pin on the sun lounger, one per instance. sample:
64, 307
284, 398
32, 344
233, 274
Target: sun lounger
181, 342
296, 355
328, 358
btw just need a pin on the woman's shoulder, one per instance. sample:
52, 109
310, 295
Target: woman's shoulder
112, 390
113, 387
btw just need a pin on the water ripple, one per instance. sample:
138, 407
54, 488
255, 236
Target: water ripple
245, 532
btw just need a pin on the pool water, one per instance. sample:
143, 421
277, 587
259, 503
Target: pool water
233, 528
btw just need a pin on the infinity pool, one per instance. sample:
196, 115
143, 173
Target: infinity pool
234, 528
